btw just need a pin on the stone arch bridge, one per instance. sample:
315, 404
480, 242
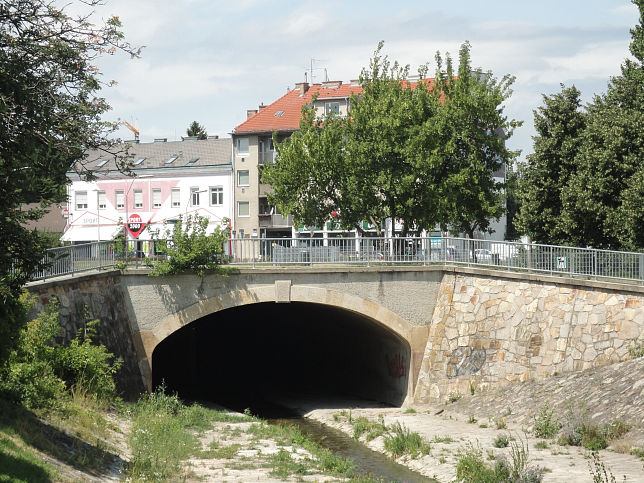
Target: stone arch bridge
392, 334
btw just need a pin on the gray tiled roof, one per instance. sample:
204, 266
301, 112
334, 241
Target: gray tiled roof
211, 152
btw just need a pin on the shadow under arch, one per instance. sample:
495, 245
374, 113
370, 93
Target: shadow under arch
394, 360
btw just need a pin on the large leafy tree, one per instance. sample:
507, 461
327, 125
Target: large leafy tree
473, 131
197, 130
424, 153
50, 114
602, 203
559, 124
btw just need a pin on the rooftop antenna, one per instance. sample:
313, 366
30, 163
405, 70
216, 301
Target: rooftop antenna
312, 69
326, 76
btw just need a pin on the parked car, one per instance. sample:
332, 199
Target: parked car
485, 256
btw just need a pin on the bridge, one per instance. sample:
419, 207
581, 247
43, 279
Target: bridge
387, 333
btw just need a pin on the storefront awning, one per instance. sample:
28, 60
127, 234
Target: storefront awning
90, 233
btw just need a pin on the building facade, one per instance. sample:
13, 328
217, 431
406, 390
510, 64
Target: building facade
171, 180
253, 148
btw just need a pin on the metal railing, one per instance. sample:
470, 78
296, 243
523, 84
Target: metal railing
74, 259
369, 251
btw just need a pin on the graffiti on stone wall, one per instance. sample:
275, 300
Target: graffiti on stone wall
396, 366
465, 361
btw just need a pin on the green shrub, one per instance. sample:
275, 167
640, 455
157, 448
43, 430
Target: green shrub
545, 426
401, 440
373, 429
89, 366
472, 468
501, 441
191, 249
637, 349
38, 371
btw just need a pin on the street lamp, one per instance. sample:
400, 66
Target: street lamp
98, 213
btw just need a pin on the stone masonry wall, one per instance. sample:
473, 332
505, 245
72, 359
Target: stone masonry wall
96, 296
489, 331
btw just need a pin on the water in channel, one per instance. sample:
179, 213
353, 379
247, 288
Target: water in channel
366, 461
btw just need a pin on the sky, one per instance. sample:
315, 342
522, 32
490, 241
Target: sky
210, 61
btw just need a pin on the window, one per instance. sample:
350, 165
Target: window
102, 200
243, 208
216, 195
193, 160
175, 197
242, 146
278, 113
81, 200
101, 163
242, 178
194, 196
138, 198
119, 200
156, 197
331, 107
138, 162
171, 159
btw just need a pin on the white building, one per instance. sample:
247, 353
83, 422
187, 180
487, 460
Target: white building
171, 179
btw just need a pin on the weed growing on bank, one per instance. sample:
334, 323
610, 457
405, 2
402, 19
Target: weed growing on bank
401, 440
471, 467
372, 429
398, 439
545, 425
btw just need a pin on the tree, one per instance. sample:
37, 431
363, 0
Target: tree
197, 130
50, 115
424, 152
189, 248
559, 124
601, 206
474, 130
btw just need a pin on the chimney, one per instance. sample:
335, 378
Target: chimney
331, 84
261, 106
212, 137
161, 140
250, 113
302, 87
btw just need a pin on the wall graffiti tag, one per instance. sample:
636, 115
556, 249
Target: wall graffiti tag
396, 366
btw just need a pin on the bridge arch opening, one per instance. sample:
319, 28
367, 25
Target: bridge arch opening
268, 352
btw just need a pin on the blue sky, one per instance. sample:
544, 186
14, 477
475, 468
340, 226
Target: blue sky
210, 61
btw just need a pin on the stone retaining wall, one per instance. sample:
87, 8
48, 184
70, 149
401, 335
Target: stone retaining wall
489, 331
96, 296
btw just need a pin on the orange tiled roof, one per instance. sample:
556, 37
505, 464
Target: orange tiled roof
290, 105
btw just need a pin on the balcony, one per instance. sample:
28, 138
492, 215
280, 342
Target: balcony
264, 189
266, 157
266, 220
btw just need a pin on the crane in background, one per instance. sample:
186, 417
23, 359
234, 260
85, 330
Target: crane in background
131, 128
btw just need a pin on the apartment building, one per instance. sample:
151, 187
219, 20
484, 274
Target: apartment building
253, 148
171, 179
